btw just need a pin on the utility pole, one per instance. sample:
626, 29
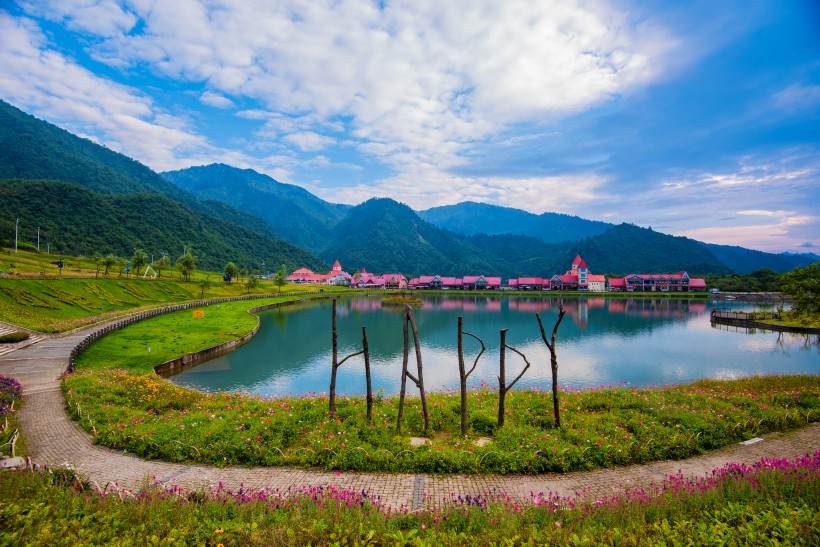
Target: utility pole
38, 239
16, 222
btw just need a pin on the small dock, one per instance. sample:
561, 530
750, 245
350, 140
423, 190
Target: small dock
723, 316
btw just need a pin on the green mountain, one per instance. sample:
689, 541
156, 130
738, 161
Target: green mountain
384, 236
747, 260
291, 211
140, 208
621, 250
470, 218
82, 222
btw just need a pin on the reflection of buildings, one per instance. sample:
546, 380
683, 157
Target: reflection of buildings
336, 276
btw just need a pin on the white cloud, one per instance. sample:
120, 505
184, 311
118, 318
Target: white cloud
421, 80
798, 98
308, 141
106, 18
215, 99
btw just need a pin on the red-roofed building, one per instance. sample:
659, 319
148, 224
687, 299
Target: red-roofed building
336, 276
578, 278
678, 282
530, 284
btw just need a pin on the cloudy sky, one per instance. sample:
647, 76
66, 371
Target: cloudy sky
696, 118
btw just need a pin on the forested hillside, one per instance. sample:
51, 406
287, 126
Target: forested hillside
382, 235
470, 218
291, 211
79, 221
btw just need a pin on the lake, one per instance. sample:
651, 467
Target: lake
601, 341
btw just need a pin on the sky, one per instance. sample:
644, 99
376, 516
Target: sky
696, 118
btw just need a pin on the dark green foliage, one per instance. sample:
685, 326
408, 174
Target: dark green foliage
84, 222
131, 205
763, 280
470, 218
803, 284
13, 337
293, 212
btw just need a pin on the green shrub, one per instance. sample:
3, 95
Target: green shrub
13, 337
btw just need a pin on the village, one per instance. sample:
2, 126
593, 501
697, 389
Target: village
577, 278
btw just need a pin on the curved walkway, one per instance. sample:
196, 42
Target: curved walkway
53, 439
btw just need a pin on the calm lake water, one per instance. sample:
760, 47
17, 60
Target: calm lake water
601, 341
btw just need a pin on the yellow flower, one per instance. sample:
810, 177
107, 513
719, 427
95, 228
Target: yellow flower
219, 530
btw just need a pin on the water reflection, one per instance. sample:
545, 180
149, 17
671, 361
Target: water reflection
639, 341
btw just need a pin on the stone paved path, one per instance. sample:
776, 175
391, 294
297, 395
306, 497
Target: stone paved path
53, 439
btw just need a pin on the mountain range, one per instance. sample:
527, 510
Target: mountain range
92, 199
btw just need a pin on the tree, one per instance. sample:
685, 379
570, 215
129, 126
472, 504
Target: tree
243, 273
462, 369
204, 284
553, 358
121, 264
98, 262
185, 265
803, 285
281, 278
252, 283
230, 271
164, 263
138, 261
108, 262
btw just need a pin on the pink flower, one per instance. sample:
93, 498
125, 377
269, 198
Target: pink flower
424, 527
557, 524
537, 501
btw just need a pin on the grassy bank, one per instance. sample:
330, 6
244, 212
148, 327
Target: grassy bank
53, 304
172, 335
772, 502
145, 415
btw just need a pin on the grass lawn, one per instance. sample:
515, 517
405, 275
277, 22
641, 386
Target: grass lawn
172, 335
54, 303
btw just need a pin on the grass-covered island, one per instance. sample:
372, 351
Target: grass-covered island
402, 300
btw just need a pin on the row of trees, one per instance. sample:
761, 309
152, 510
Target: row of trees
185, 265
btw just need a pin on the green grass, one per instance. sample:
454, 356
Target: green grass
145, 415
59, 303
794, 319
774, 502
172, 335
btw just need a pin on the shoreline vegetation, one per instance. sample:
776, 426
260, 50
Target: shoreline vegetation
772, 500
145, 415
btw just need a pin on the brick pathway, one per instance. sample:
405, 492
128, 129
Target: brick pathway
53, 439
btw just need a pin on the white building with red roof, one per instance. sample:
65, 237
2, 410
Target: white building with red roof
336, 276
664, 282
578, 278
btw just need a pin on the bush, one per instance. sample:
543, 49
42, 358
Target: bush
13, 337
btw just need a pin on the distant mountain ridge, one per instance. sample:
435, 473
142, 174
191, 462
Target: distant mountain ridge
471, 218
291, 211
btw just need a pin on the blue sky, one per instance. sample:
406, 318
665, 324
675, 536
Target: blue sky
696, 118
